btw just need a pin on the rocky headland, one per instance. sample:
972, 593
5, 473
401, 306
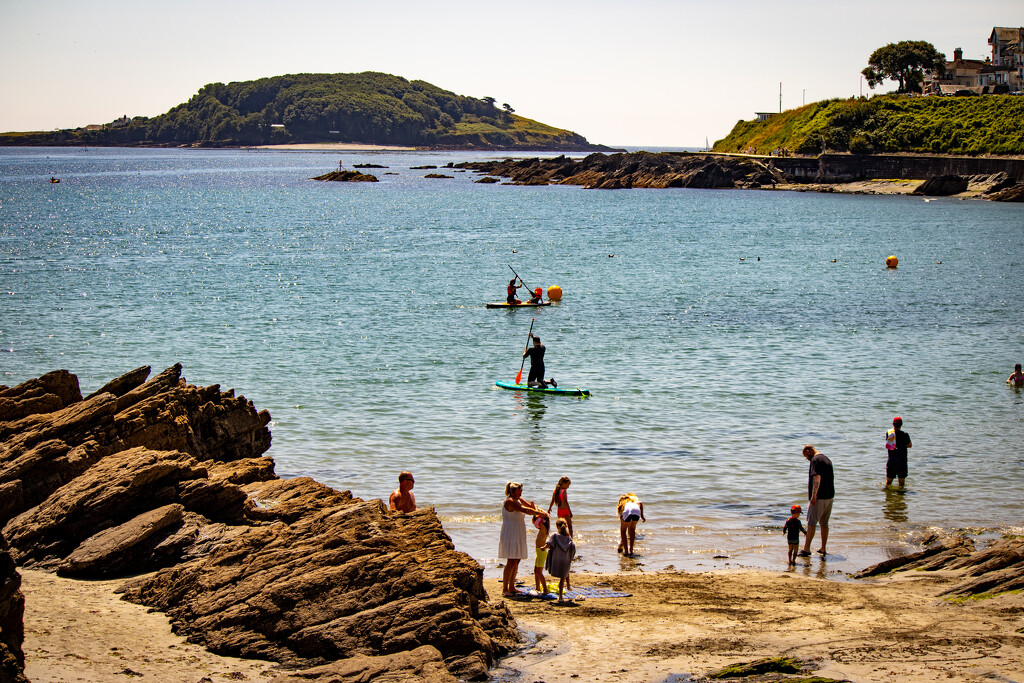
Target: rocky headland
724, 171
633, 169
166, 485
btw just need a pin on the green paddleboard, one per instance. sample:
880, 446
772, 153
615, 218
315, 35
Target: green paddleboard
558, 391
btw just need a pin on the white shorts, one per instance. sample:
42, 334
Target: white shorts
819, 512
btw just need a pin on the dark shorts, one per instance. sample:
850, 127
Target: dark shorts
632, 518
896, 468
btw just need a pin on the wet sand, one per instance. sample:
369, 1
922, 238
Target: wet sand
886, 629
679, 624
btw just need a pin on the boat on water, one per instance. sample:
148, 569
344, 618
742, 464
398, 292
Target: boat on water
557, 391
524, 304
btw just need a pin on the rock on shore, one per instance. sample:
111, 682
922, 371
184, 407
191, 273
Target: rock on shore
162, 476
635, 169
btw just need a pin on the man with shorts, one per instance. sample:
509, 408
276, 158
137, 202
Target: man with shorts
897, 442
820, 491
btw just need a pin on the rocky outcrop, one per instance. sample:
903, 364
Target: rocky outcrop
1012, 194
12, 609
942, 186
347, 177
995, 569
637, 169
166, 477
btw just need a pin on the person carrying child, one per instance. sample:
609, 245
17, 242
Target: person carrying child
543, 525
561, 550
793, 528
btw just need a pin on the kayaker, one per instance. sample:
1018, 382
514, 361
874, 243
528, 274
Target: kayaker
536, 355
511, 299
538, 296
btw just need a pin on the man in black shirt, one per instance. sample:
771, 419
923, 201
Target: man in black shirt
536, 354
897, 442
820, 492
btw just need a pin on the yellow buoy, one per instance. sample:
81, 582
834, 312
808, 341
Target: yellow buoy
555, 293
891, 261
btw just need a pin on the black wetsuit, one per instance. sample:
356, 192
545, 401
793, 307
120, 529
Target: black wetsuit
536, 354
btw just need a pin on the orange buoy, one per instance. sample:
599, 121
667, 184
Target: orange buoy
891, 261
555, 293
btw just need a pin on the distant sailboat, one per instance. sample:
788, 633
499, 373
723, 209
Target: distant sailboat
707, 145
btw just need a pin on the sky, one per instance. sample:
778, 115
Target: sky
656, 73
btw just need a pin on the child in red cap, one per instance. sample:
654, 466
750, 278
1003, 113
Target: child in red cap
792, 528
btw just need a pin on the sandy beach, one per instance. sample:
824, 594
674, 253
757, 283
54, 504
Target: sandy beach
679, 624
886, 629
334, 147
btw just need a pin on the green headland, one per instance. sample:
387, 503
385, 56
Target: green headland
990, 124
367, 108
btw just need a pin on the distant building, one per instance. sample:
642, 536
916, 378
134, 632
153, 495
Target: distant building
764, 115
1002, 72
1008, 53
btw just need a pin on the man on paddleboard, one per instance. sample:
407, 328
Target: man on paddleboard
510, 292
536, 355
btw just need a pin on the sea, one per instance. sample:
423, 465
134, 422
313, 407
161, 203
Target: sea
718, 331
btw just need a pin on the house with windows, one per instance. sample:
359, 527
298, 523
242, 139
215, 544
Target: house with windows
1002, 72
1008, 53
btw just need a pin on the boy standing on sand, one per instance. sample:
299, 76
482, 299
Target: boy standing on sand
792, 528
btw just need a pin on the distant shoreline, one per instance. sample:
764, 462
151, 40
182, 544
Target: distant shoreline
333, 147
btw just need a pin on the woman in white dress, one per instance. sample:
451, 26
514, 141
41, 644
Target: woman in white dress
512, 545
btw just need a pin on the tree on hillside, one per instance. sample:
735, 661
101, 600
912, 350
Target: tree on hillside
904, 62
507, 114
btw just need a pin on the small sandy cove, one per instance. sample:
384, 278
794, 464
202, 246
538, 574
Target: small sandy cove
884, 629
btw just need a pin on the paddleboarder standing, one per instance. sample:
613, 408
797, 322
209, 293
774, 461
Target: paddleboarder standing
536, 356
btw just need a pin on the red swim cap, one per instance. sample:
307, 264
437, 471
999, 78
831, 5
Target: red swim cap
897, 419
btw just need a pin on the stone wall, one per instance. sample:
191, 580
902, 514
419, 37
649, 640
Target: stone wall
839, 168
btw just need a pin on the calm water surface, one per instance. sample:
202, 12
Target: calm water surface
718, 330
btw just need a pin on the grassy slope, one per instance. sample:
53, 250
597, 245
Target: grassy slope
990, 124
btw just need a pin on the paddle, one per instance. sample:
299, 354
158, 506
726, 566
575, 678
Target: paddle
529, 336
520, 279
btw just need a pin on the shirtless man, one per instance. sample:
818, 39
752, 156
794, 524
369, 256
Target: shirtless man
402, 499
1017, 378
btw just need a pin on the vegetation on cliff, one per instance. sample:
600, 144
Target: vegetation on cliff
889, 123
368, 107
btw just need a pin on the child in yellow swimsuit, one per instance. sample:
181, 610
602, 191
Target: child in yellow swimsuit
543, 525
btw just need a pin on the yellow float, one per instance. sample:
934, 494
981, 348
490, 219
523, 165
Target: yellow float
891, 261
554, 293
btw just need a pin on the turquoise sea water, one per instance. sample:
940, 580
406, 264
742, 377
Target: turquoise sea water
718, 330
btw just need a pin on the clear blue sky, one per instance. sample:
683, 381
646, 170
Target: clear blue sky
646, 72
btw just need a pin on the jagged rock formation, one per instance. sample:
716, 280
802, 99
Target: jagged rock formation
12, 610
1011, 194
164, 476
943, 186
636, 169
347, 177
995, 569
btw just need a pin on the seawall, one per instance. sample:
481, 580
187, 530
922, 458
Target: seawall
842, 168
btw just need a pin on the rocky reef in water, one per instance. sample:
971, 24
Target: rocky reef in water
157, 475
347, 177
634, 169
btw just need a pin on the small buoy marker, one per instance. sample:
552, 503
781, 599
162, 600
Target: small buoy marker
891, 261
554, 293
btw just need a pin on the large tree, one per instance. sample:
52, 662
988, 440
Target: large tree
903, 62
